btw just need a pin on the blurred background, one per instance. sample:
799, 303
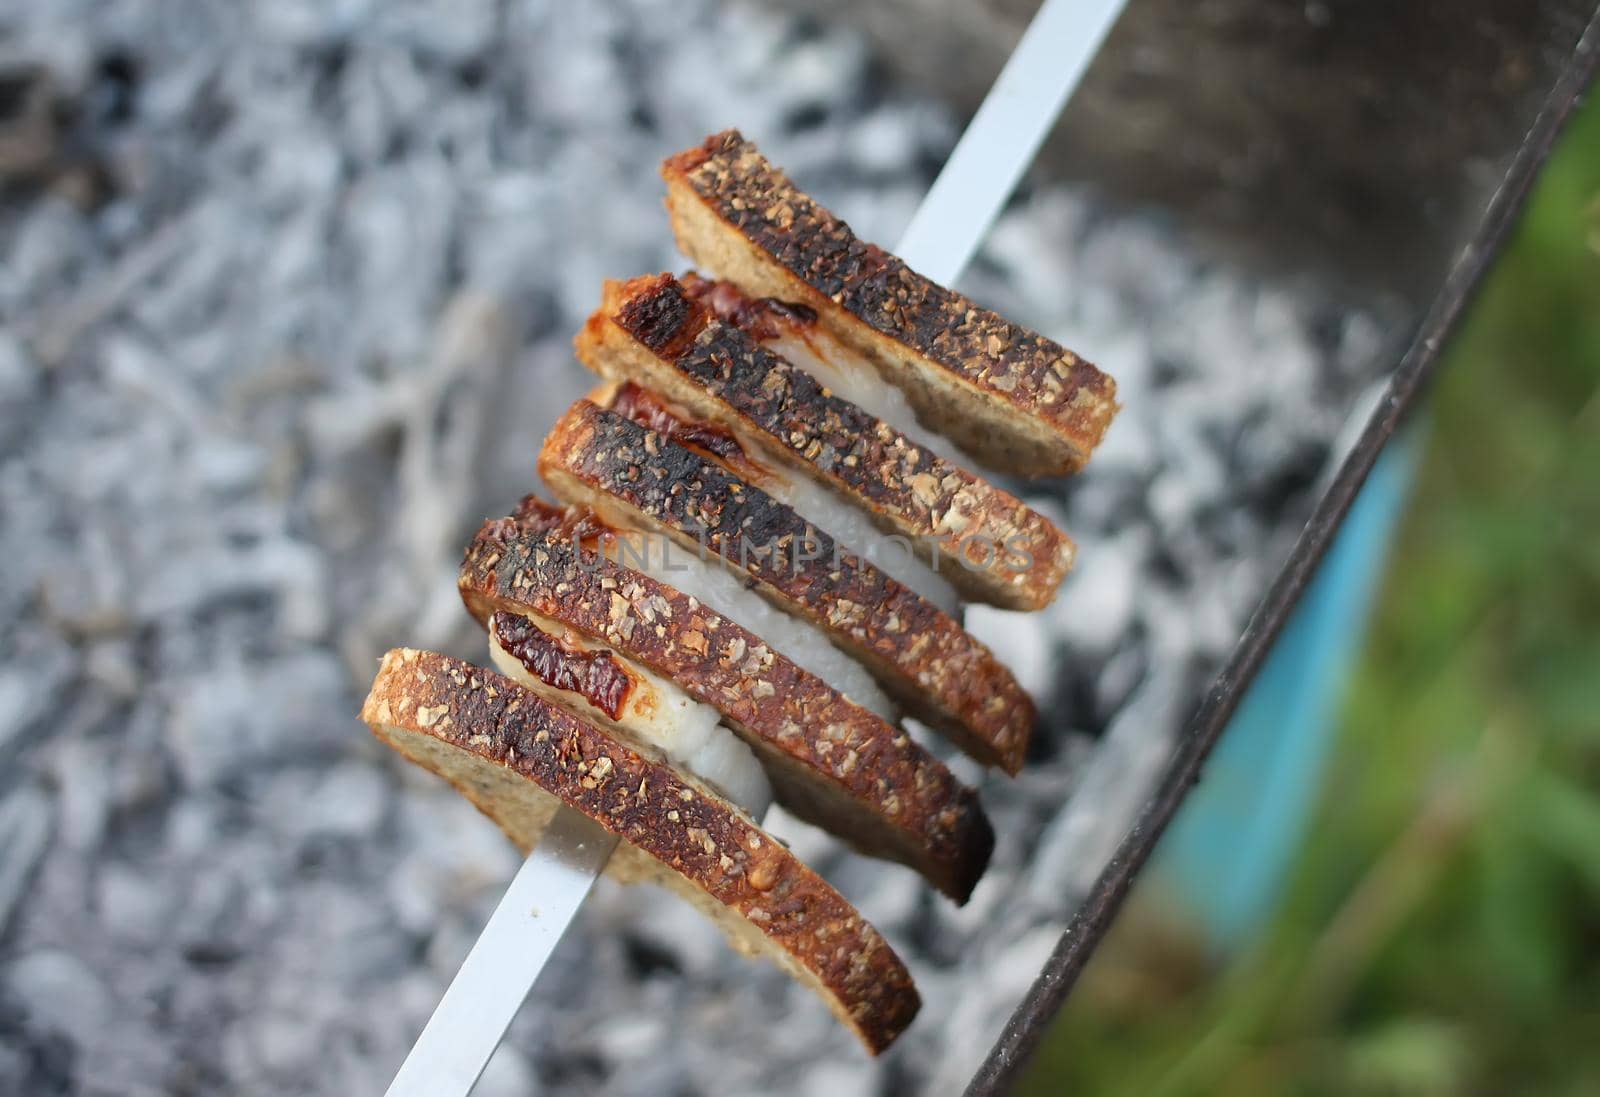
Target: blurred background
1440, 933
286, 301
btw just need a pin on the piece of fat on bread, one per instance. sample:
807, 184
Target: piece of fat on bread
830, 761
936, 670
1015, 400
518, 757
726, 591
982, 540
561, 665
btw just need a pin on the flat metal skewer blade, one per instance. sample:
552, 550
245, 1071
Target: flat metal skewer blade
497, 974
1003, 136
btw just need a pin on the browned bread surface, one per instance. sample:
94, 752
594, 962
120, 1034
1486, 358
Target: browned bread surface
1018, 401
938, 671
650, 330
832, 762
511, 752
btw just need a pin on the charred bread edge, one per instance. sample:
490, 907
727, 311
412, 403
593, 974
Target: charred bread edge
708, 845
936, 669
649, 330
1051, 407
900, 801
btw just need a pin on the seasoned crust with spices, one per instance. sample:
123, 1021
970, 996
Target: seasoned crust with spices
650, 330
938, 671
517, 756
1017, 401
831, 762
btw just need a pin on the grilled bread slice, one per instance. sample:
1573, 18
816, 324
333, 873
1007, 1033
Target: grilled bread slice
831, 761
634, 477
985, 542
1014, 399
518, 757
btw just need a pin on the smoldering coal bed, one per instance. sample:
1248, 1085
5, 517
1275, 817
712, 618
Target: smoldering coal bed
288, 298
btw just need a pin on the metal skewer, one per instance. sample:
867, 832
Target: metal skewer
998, 144
550, 887
497, 974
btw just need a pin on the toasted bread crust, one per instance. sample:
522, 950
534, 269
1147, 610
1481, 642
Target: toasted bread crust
652, 807
936, 669
849, 771
1049, 407
649, 329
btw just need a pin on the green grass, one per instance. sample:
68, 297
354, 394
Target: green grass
1442, 932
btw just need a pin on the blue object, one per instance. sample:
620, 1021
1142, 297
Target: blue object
1229, 851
